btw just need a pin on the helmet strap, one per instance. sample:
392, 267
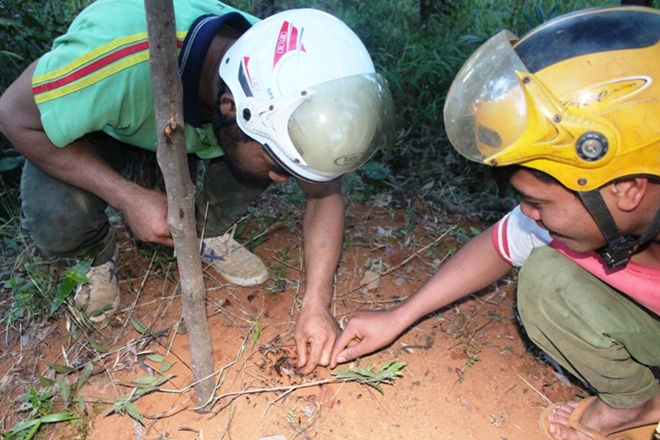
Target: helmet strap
619, 249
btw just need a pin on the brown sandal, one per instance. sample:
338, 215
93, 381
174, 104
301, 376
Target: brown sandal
640, 433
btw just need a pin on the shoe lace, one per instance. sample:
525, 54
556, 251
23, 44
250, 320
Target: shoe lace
224, 241
227, 237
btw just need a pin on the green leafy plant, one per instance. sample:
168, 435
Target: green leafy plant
27, 429
257, 332
291, 415
141, 386
266, 223
28, 29
145, 384
11, 162
162, 259
37, 292
386, 374
278, 268
539, 16
39, 404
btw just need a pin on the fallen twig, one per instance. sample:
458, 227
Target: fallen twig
537, 391
403, 263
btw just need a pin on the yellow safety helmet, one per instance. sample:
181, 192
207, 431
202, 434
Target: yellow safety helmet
578, 98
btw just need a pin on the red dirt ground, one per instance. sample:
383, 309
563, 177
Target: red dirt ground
469, 373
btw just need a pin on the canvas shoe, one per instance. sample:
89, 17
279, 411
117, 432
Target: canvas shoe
231, 260
99, 298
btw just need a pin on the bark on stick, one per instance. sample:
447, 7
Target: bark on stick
168, 100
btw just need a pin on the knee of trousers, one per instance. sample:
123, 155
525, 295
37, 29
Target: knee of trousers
62, 219
64, 233
547, 290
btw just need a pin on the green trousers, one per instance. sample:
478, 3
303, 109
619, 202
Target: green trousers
594, 331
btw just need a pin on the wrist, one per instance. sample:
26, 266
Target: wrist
128, 194
316, 300
403, 316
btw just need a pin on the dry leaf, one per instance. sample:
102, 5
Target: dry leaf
371, 279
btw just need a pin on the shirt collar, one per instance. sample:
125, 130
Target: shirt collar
192, 54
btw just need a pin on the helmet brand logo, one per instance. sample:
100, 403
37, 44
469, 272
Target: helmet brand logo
289, 39
245, 78
349, 160
603, 95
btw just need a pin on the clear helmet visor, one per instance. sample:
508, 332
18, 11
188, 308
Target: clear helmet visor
325, 130
486, 110
343, 123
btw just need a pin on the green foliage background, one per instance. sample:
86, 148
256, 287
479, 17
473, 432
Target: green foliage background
418, 45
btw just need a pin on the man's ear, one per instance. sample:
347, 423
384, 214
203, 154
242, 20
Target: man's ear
276, 177
628, 192
227, 105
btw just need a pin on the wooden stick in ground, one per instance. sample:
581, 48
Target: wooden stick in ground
168, 100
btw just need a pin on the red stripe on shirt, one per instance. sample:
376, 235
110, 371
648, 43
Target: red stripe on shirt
95, 66
500, 239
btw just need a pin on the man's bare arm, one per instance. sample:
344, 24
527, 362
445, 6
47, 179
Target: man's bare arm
323, 232
475, 266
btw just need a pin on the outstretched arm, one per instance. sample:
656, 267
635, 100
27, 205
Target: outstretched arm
475, 266
78, 164
323, 231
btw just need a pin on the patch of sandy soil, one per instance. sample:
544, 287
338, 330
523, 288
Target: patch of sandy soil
469, 372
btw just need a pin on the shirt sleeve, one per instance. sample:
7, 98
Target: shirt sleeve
97, 75
516, 235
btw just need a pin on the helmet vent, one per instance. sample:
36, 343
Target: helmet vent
591, 146
247, 114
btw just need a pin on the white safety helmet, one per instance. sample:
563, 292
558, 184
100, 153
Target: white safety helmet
305, 88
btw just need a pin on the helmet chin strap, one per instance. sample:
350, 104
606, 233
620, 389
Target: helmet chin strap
619, 249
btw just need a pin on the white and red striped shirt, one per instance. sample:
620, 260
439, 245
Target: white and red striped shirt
516, 235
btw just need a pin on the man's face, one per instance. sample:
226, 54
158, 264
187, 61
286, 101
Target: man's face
247, 158
559, 211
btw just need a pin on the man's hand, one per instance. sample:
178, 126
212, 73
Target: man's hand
365, 333
316, 332
145, 214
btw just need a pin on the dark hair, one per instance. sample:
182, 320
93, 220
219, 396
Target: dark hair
502, 175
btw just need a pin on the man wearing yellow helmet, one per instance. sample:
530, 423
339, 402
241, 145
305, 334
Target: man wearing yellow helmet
571, 112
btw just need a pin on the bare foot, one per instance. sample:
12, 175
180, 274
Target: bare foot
601, 418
